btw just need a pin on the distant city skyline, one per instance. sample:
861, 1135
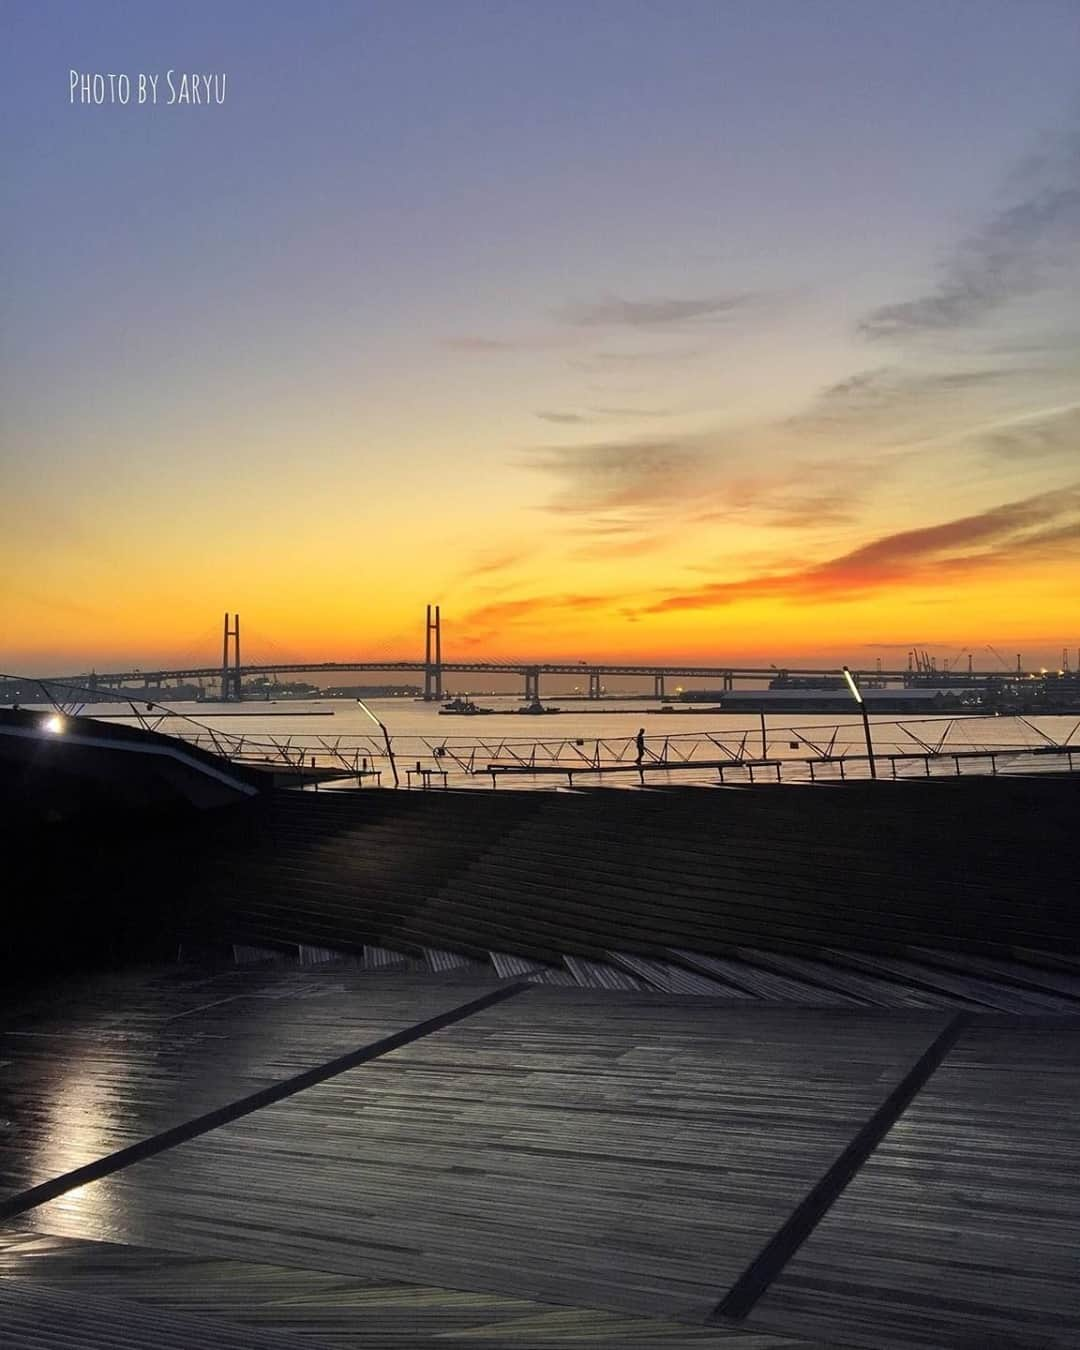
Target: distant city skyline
665, 330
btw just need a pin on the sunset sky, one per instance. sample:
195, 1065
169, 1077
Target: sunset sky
646, 328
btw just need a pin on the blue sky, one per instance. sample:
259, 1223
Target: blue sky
615, 303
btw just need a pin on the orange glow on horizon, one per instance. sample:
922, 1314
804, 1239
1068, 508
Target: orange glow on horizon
1022, 608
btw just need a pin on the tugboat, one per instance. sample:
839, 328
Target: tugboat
463, 707
536, 708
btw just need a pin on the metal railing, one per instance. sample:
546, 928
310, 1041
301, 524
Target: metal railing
817, 751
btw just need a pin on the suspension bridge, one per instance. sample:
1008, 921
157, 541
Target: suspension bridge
434, 666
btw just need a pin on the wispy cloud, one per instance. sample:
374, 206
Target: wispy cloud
489, 572
1021, 249
488, 563
891, 405
481, 344
631, 412
1042, 435
580, 325
629, 546
994, 389
704, 480
504, 613
657, 313
608, 527
902, 420
602, 415
836, 506
955, 549
496, 346
615, 362
797, 494
616, 475
885, 386
611, 538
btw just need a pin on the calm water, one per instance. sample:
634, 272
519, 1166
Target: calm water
338, 731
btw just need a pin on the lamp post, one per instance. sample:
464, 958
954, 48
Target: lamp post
857, 696
386, 738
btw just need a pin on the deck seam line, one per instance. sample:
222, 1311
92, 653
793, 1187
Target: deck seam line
741, 1298
41, 1194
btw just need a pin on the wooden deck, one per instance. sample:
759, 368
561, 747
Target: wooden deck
964, 1227
120, 1297
92, 1066
782, 1068
568, 1166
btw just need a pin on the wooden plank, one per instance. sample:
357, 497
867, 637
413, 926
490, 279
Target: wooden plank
769, 1263
962, 1228
96, 1065
620, 1151
35, 1318
195, 1126
270, 1302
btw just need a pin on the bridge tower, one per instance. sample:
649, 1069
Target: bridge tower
595, 690
230, 671
658, 686
433, 689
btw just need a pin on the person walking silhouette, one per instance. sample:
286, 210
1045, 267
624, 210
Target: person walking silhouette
639, 741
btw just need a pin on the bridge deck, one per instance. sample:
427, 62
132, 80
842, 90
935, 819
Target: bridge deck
580, 669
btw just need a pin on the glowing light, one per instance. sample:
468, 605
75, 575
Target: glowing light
55, 724
852, 686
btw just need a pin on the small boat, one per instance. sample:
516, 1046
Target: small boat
463, 707
537, 708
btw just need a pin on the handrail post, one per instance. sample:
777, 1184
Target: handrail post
386, 740
856, 694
